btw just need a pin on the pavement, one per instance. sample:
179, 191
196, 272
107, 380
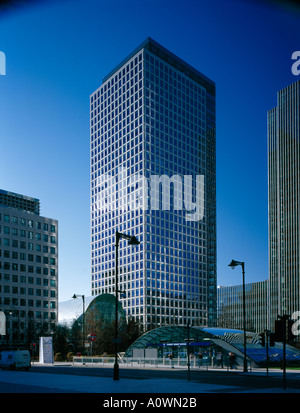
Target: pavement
62, 383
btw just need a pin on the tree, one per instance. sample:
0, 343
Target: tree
129, 333
61, 337
104, 329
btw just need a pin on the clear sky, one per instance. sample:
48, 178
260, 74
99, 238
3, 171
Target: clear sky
57, 54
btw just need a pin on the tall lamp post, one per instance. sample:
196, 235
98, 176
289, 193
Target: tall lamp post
83, 317
188, 351
11, 328
234, 264
132, 240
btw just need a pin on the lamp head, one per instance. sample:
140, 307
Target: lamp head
233, 264
133, 241
74, 296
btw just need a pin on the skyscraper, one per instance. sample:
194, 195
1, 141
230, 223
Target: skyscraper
284, 202
153, 175
28, 269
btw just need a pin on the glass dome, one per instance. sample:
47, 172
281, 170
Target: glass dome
103, 306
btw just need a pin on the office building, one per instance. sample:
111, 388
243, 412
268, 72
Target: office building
284, 202
230, 306
153, 175
28, 269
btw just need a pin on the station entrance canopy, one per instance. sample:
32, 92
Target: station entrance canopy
203, 340
177, 338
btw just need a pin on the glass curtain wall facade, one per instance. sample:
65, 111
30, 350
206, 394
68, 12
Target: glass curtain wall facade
154, 116
284, 201
230, 306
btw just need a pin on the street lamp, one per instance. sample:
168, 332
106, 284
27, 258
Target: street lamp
132, 240
188, 351
83, 317
11, 328
234, 264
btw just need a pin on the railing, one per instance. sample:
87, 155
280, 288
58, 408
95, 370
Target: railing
93, 360
152, 362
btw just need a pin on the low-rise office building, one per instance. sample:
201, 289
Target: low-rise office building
230, 306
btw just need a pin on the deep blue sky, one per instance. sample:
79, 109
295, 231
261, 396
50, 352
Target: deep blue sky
57, 54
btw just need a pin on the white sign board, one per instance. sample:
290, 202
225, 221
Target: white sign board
46, 350
2, 324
